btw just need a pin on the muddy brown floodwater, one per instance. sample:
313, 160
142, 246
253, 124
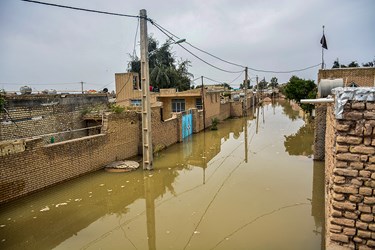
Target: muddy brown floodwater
252, 184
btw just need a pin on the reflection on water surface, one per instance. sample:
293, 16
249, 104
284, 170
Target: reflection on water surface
249, 185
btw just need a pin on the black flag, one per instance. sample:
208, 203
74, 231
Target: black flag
323, 42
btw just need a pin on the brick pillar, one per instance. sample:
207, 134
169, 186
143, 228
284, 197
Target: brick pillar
350, 180
320, 131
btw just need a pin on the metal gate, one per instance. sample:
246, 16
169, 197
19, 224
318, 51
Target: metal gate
187, 124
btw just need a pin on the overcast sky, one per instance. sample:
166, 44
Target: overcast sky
53, 48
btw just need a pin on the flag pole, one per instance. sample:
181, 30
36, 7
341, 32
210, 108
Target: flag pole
323, 52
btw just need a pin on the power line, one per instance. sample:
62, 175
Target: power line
165, 31
203, 51
235, 64
285, 72
135, 40
82, 9
170, 37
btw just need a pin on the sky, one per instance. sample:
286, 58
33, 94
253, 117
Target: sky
53, 48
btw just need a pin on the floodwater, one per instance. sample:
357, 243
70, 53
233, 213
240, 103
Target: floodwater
252, 184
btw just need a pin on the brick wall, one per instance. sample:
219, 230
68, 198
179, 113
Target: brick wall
236, 109
350, 176
164, 133
32, 115
364, 77
41, 165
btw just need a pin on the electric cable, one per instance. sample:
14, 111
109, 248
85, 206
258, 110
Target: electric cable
170, 37
253, 69
82, 9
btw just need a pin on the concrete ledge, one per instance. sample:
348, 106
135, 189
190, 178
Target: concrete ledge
74, 140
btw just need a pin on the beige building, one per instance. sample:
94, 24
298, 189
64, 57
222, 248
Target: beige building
128, 93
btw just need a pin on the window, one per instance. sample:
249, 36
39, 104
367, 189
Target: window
136, 102
135, 82
353, 84
198, 103
178, 105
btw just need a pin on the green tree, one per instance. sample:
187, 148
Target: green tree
353, 64
262, 84
274, 82
297, 89
336, 64
368, 64
165, 70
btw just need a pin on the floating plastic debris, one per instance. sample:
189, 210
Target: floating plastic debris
61, 204
150, 175
197, 232
46, 208
127, 181
2, 225
35, 217
78, 199
122, 186
3, 240
109, 190
101, 185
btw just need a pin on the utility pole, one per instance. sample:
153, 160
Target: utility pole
146, 108
245, 92
203, 104
82, 87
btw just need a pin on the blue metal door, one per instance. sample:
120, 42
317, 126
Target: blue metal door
187, 124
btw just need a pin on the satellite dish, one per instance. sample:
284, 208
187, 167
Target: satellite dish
105, 90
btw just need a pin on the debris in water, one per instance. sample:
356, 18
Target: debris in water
90, 196
227, 238
122, 166
3, 240
127, 181
168, 232
109, 190
2, 225
197, 232
46, 208
101, 185
122, 186
34, 217
61, 204
204, 157
169, 168
78, 199
150, 175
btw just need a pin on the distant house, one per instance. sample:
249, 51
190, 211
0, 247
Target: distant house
211, 99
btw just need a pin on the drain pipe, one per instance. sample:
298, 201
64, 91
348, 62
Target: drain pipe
318, 100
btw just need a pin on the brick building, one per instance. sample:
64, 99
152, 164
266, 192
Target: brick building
361, 77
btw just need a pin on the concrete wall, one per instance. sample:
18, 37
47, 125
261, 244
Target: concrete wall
364, 77
32, 115
350, 177
320, 131
41, 165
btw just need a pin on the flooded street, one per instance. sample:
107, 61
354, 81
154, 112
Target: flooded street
252, 184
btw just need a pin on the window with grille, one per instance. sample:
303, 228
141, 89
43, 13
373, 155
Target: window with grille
178, 105
198, 103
